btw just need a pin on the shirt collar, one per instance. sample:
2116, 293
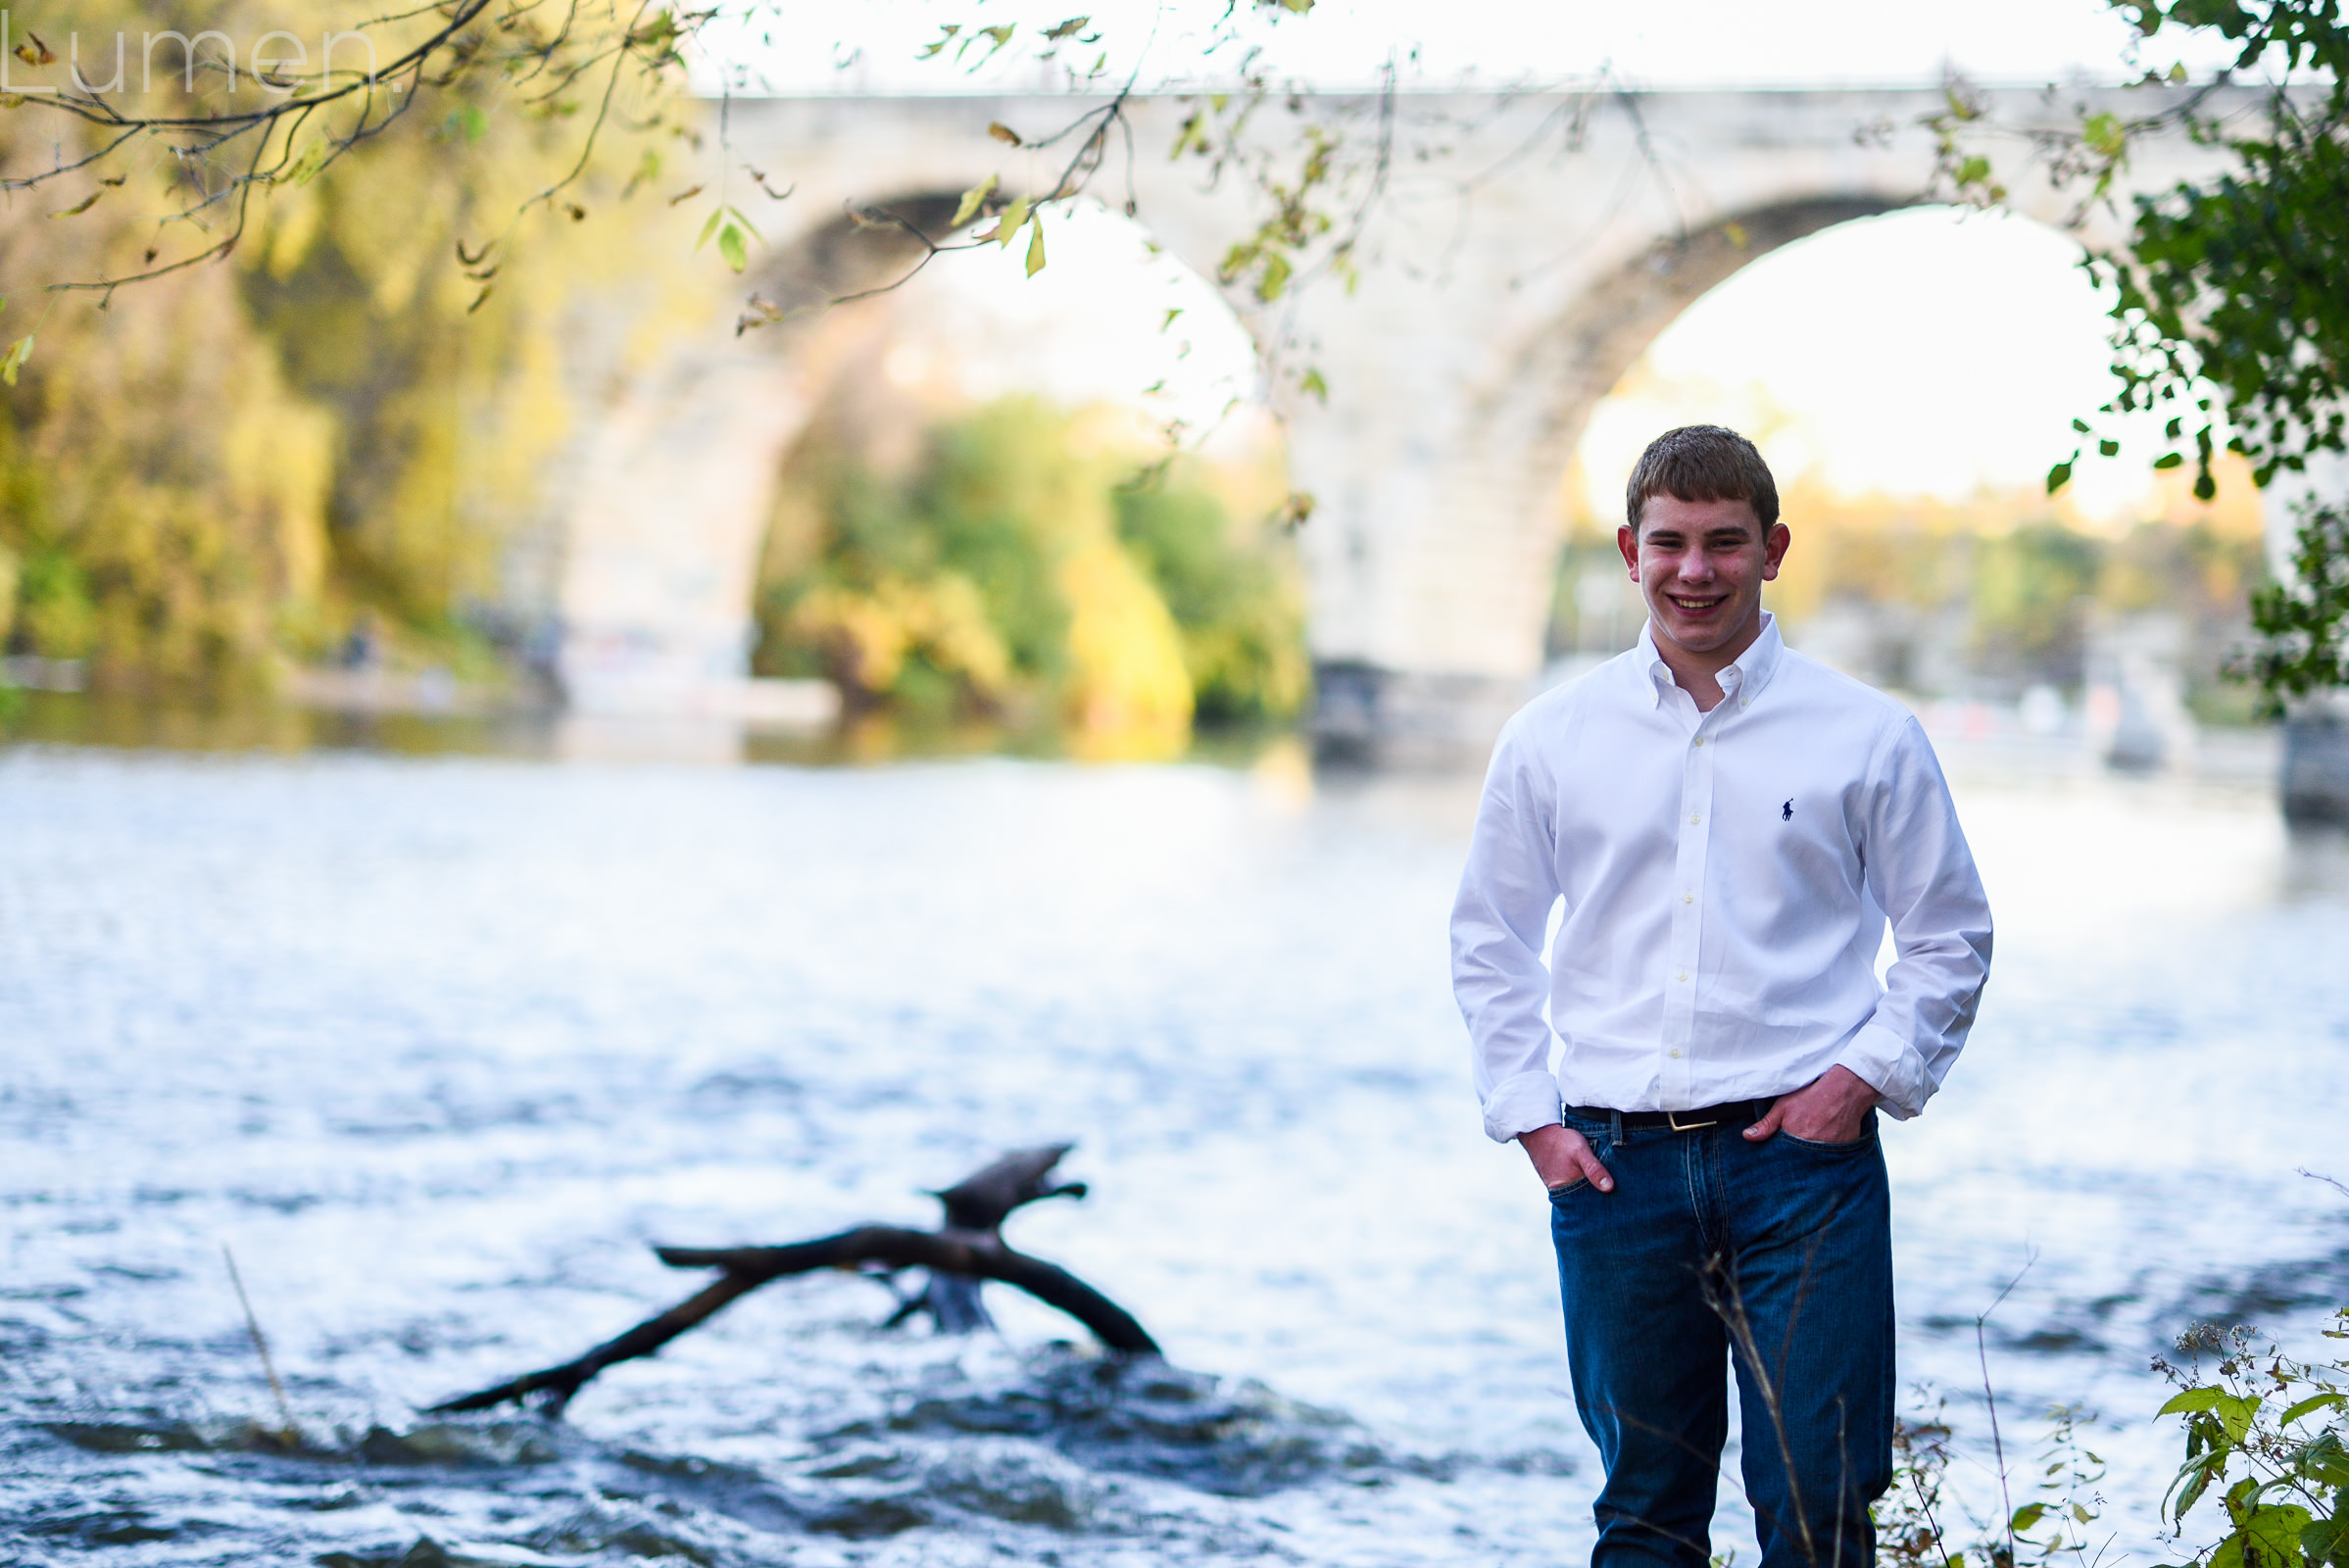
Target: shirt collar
1741, 683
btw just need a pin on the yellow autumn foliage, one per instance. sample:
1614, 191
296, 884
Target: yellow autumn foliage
1127, 694
1030, 564
208, 473
872, 633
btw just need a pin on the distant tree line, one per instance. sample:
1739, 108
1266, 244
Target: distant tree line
1032, 566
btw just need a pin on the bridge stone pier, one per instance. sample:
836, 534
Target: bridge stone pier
1509, 278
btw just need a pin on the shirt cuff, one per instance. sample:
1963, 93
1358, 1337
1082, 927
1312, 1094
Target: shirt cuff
1520, 1105
1888, 1064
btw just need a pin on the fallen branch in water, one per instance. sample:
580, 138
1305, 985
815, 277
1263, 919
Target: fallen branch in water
968, 1249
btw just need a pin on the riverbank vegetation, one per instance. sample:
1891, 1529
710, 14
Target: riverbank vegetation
338, 425
1027, 564
2264, 1437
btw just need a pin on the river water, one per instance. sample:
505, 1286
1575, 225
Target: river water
437, 1046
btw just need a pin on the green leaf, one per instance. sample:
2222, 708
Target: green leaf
2235, 1410
18, 354
1068, 28
1162, 326
2195, 1479
2106, 133
715, 217
1974, 170
2108, 449
1274, 278
313, 158
1035, 246
744, 219
2081, 425
733, 247
2170, 459
2027, 1516
1014, 215
470, 123
1314, 386
971, 200
998, 36
2192, 1399
944, 38
2058, 476
2325, 1458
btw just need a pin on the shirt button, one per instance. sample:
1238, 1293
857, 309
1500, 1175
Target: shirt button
1687, 897
1682, 977
1694, 818
1676, 1053
1700, 740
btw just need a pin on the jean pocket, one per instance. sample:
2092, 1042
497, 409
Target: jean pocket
1862, 1141
1571, 1187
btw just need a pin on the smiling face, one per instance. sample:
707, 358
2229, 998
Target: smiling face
1700, 566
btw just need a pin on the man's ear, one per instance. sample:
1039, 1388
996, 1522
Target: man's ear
1628, 542
1774, 550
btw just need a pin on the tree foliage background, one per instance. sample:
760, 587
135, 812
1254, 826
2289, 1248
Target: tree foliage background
2231, 294
337, 334
1032, 565
292, 357
331, 419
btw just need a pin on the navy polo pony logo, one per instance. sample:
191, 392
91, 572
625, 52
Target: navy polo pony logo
1785, 813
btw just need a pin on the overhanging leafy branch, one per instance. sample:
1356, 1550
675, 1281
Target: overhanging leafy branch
2230, 295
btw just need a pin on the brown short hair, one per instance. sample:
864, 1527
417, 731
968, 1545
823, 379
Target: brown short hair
1702, 462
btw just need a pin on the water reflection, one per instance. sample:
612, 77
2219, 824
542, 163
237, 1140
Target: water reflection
440, 1044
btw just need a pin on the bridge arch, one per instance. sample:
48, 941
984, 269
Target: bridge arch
665, 530
1573, 361
1520, 433
1495, 311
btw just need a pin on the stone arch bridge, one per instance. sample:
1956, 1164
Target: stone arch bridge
1512, 276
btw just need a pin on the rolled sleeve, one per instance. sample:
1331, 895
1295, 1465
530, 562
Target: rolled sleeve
1892, 1067
1517, 1105
1922, 874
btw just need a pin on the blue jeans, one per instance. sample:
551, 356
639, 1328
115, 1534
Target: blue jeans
1776, 1257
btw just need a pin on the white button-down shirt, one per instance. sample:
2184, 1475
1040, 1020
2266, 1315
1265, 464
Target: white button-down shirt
1726, 878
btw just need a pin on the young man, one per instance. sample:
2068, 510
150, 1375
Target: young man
1727, 824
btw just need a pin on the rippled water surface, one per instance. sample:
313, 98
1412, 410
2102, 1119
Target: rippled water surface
439, 1047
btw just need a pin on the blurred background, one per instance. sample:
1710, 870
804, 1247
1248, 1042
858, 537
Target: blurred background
506, 758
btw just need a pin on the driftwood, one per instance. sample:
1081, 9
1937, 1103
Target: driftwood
966, 1250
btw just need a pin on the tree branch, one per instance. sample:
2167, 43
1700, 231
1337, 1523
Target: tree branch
968, 1250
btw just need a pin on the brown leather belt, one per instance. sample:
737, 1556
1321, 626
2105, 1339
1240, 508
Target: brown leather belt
1739, 1113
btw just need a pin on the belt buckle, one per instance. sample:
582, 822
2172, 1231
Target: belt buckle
1673, 1117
